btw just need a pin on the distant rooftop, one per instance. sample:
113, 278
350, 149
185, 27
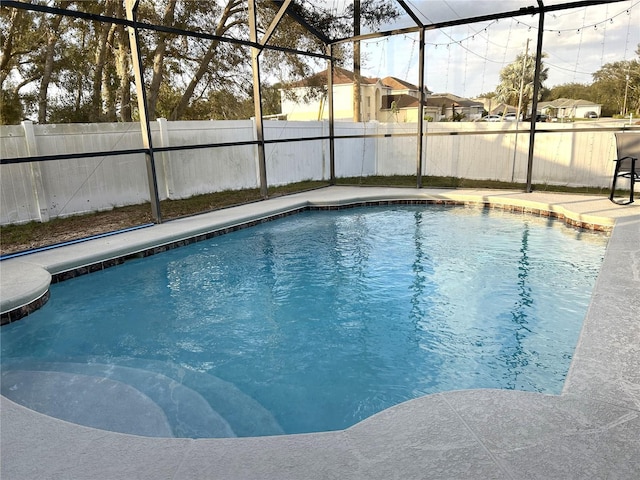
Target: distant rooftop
566, 102
342, 76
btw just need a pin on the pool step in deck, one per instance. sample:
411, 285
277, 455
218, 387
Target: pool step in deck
90, 394
246, 416
197, 405
87, 400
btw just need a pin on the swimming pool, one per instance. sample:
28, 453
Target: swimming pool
319, 320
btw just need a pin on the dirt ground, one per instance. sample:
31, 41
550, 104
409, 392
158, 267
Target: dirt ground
17, 238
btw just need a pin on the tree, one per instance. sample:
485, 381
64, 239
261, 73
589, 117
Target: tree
576, 91
395, 109
518, 77
11, 112
102, 93
613, 82
19, 35
617, 86
65, 69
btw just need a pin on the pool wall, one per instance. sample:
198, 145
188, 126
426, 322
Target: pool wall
591, 430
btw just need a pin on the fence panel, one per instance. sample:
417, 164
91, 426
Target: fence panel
296, 161
355, 157
574, 158
474, 150
396, 155
185, 173
18, 200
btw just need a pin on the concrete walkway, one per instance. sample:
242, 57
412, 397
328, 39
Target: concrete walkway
591, 430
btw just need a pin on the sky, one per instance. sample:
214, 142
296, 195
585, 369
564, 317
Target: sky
466, 60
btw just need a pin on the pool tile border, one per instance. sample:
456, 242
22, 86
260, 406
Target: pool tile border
76, 272
25, 310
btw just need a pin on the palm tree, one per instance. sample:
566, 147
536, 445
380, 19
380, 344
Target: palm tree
518, 76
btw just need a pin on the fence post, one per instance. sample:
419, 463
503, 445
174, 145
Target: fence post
324, 133
256, 152
39, 193
165, 173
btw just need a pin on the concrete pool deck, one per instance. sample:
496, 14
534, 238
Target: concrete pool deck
591, 430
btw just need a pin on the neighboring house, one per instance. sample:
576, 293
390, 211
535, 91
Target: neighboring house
377, 96
401, 101
403, 108
568, 108
449, 106
298, 104
493, 107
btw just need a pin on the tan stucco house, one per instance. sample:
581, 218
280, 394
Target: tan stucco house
565, 108
384, 100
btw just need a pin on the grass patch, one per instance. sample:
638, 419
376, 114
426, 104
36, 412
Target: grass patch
172, 209
453, 182
16, 238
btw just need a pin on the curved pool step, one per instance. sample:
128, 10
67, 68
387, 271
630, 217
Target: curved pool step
246, 416
87, 400
187, 412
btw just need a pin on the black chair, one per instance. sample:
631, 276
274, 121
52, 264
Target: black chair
627, 165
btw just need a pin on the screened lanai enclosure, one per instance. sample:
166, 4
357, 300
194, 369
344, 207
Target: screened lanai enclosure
113, 103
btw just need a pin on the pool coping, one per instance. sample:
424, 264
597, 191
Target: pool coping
591, 430
28, 291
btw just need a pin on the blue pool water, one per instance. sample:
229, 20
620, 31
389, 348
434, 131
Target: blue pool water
308, 323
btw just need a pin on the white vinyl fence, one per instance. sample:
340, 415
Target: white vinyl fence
43, 190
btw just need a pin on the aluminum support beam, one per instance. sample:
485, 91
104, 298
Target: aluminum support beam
481, 18
275, 22
312, 30
357, 79
421, 109
411, 13
332, 149
422, 99
257, 97
536, 90
138, 69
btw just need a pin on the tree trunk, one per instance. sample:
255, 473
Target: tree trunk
109, 86
47, 71
7, 47
80, 79
158, 61
100, 58
123, 69
230, 10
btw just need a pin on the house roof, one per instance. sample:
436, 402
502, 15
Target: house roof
567, 103
341, 76
402, 101
397, 84
492, 105
448, 99
502, 108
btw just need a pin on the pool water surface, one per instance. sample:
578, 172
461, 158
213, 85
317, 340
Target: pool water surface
308, 323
